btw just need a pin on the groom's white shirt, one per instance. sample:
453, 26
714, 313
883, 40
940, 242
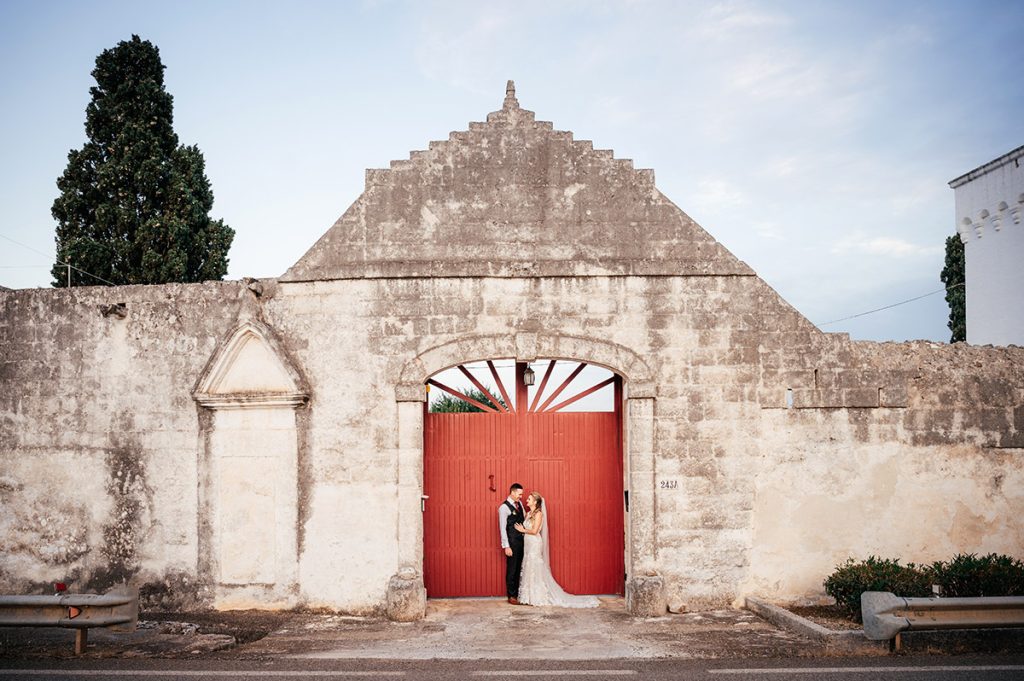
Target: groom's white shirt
503, 514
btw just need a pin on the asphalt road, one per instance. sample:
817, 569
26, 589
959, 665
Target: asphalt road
800, 669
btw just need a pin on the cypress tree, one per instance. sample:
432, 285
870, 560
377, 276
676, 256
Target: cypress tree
954, 277
134, 204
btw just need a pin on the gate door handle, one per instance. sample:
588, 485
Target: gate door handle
492, 483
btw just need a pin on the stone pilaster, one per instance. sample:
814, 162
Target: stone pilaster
645, 590
407, 597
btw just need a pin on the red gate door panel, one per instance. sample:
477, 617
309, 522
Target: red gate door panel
460, 530
574, 459
585, 525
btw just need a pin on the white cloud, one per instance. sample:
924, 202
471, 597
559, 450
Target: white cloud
897, 248
724, 20
917, 192
614, 110
769, 230
715, 194
464, 58
778, 74
884, 246
782, 167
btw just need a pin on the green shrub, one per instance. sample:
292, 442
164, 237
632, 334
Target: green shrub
968, 575
853, 578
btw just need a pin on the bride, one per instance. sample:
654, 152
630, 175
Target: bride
536, 585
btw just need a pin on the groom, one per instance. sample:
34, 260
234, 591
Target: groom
509, 513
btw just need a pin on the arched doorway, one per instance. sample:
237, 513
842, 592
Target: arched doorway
551, 425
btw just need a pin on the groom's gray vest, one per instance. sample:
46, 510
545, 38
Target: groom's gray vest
515, 537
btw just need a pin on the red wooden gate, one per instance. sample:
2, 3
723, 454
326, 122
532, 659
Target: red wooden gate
574, 459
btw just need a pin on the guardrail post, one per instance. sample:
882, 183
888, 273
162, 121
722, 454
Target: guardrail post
81, 640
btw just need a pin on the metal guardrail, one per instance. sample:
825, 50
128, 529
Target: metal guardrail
117, 610
886, 615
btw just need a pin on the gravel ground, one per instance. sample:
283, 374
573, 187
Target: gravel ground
452, 629
245, 626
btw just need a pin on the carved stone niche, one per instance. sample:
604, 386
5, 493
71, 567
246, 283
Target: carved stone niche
250, 369
248, 473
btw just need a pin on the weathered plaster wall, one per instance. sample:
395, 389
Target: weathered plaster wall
768, 497
99, 435
353, 339
723, 351
923, 462
149, 441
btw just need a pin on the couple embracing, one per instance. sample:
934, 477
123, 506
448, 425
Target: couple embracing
524, 538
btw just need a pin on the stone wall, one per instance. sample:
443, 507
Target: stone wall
910, 450
99, 433
259, 443
897, 449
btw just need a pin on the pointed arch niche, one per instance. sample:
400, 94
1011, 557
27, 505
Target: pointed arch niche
249, 394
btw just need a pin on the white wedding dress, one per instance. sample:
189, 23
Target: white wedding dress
536, 584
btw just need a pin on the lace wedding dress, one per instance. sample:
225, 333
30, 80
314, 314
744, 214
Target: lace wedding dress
536, 584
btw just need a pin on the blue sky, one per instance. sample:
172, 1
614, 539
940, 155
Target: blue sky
815, 140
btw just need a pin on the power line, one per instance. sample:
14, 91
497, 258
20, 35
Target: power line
34, 250
59, 262
902, 302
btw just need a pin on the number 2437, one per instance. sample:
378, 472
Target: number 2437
669, 484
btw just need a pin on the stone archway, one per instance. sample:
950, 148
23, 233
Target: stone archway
644, 588
540, 434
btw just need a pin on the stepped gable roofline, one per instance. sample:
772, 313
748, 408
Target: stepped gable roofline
986, 168
512, 197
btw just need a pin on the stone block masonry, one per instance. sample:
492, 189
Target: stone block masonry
99, 432
260, 444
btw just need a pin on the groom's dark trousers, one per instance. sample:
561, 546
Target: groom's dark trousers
513, 563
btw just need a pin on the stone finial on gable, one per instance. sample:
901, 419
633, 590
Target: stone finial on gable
510, 96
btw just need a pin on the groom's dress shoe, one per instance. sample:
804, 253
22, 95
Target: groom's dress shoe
513, 601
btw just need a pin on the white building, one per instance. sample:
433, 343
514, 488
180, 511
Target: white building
989, 207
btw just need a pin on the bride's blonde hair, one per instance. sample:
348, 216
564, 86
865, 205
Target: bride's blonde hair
538, 503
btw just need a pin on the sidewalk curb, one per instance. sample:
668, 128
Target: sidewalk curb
837, 641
